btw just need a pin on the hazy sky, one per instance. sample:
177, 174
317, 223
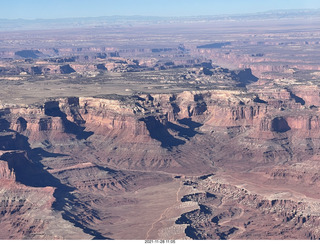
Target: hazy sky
48, 9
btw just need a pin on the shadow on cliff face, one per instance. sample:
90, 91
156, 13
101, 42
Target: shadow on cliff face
296, 98
245, 77
185, 132
159, 131
279, 124
29, 171
188, 122
29, 53
13, 141
52, 109
66, 69
196, 219
65, 198
4, 125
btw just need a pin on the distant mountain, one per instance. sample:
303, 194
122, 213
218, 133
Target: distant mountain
116, 21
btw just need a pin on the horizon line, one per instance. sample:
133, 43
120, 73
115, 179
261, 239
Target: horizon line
168, 17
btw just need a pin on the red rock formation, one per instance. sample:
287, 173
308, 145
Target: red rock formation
26, 212
102, 145
5, 172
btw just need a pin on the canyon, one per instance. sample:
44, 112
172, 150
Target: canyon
204, 136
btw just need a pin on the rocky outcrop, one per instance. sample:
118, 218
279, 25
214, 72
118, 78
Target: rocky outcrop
85, 148
26, 212
5, 172
134, 117
230, 212
264, 65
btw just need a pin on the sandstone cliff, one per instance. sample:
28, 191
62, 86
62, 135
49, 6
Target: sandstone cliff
83, 150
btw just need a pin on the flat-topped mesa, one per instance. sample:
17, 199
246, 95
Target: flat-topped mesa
108, 103
110, 115
65, 118
34, 123
105, 116
278, 98
176, 106
264, 65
